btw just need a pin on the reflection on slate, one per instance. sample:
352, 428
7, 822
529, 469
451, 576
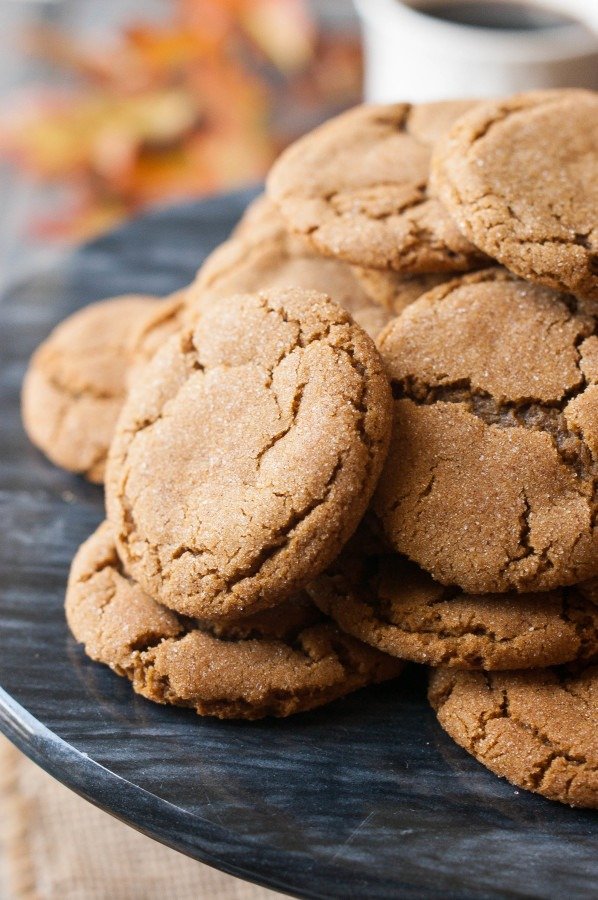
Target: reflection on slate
367, 797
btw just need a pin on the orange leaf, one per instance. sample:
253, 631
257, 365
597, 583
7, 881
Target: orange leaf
282, 29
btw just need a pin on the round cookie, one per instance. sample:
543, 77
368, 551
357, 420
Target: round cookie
520, 177
393, 291
264, 256
279, 662
357, 189
248, 455
387, 601
537, 728
490, 482
76, 383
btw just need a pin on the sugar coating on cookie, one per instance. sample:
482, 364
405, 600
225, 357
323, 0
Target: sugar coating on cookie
76, 383
357, 189
278, 662
520, 177
491, 479
264, 256
248, 455
389, 602
535, 728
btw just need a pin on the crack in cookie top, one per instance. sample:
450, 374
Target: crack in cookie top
491, 479
357, 189
520, 176
248, 455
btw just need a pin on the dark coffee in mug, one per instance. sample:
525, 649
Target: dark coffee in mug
494, 14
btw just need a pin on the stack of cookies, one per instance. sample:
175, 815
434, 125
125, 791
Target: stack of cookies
367, 433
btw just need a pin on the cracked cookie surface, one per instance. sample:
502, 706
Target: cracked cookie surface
387, 601
520, 177
264, 256
76, 383
357, 189
246, 458
536, 728
491, 479
278, 662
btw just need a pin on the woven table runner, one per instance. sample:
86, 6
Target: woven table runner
56, 846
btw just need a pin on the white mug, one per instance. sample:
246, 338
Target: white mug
415, 56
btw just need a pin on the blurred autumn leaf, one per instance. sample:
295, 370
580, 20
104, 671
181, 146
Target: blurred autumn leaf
201, 102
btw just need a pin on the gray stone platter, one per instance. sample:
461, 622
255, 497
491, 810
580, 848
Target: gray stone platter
367, 798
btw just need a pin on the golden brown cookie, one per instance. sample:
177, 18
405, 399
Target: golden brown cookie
76, 383
535, 728
357, 188
393, 291
282, 661
387, 601
491, 479
248, 455
265, 256
520, 177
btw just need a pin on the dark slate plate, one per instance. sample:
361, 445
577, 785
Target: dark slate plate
367, 798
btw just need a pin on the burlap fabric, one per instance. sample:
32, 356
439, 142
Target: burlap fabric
56, 846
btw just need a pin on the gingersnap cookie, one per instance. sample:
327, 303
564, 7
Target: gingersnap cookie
537, 729
491, 480
265, 256
76, 383
387, 601
520, 177
393, 291
357, 189
282, 661
248, 455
